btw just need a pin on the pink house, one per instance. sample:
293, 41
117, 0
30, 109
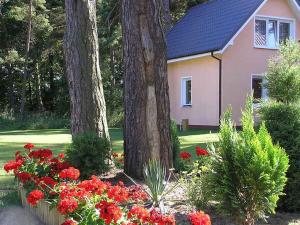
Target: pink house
219, 51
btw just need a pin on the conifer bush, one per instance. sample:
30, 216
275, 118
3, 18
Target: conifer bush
250, 173
89, 153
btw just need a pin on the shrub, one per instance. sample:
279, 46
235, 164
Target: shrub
45, 120
196, 179
175, 145
250, 174
89, 153
283, 122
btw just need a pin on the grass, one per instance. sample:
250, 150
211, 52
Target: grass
57, 139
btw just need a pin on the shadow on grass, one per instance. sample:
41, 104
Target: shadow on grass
35, 132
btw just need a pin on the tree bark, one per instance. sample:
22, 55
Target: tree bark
88, 111
25, 74
146, 91
38, 89
167, 18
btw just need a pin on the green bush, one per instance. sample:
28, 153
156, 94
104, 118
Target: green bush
45, 120
283, 123
175, 145
250, 173
89, 153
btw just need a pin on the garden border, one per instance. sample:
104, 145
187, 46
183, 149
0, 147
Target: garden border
43, 210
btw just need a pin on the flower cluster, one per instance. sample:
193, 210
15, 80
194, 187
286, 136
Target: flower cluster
51, 178
118, 159
199, 218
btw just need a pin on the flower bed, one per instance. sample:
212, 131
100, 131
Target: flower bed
52, 189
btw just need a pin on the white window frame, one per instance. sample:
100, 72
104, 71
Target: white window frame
183, 91
291, 21
264, 94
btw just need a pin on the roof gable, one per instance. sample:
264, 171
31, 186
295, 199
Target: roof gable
209, 26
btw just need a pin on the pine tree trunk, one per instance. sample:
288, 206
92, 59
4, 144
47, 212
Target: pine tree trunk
38, 89
25, 74
88, 111
146, 91
167, 19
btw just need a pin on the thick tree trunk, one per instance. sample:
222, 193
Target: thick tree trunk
88, 111
146, 91
167, 18
25, 74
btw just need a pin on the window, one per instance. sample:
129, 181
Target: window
186, 91
259, 91
269, 33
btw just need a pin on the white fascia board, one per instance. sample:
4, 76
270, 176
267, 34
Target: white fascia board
191, 57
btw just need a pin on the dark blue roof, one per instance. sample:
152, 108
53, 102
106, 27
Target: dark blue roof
209, 26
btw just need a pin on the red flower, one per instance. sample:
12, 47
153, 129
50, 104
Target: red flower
200, 151
23, 176
13, 165
109, 211
70, 173
139, 213
137, 194
67, 205
185, 155
69, 222
34, 197
29, 146
61, 155
45, 182
199, 218
94, 185
115, 155
42, 154
118, 193
159, 219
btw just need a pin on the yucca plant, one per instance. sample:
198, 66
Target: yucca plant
157, 181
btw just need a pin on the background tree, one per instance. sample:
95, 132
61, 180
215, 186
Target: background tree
88, 111
281, 114
146, 91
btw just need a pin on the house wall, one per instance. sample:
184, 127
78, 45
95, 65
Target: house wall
204, 73
241, 60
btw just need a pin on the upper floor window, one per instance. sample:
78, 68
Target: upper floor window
269, 32
186, 91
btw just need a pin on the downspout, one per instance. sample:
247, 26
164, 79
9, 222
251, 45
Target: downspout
220, 84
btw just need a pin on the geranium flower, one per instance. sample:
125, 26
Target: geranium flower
29, 146
34, 196
70, 173
199, 218
69, 222
200, 151
157, 218
61, 155
109, 211
47, 181
118, 193
185, 155
23, 176
139, 212
13, 165
115, 155
67, 205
